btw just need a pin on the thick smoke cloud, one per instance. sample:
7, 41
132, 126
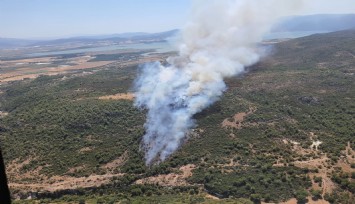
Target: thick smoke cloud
219, 41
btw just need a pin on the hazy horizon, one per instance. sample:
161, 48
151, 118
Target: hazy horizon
40, 19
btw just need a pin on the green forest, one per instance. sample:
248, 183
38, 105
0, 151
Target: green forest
301, 93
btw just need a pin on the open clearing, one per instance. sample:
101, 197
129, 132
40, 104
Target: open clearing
173, 179
34, 181
28, 72
119, 96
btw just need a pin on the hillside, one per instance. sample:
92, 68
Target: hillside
283, 130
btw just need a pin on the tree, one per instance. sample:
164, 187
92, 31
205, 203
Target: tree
136, 192
267, 198
301, 196
330, 198
316, 194
256, 198
352, 187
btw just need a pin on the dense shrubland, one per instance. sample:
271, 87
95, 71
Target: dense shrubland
307, 87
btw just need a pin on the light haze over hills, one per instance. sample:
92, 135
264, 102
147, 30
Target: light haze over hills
315, 23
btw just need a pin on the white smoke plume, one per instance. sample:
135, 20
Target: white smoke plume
219, 41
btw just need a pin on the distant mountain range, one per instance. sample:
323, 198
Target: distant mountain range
85, 40
109, 39
13, 42
321, 22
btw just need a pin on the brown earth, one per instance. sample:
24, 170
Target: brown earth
237, 119
321, 164
26, 61
116, 163
23, 73
172, 179
3, 114
65, 182
34, 181
75, 169
327, 185
119, 96
85, 149
14, 70
310, 201
209, 196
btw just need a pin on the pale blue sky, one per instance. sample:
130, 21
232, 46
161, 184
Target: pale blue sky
62, 18
65, 18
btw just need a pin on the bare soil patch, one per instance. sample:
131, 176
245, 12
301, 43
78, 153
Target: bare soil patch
172, 179
65, 182
31, 60
345, 162
119, 96
327, 185
32, 180
319, 162
74, 169
209, 196
85, 149
13, 169
237, 119
310, 201
117, 162
31, 71
3, 114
